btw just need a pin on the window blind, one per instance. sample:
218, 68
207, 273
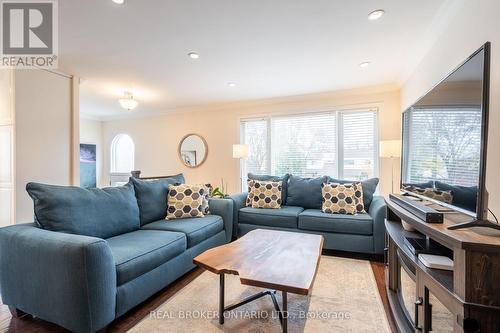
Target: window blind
338, 144
304, 145
443, 144
359, 145
254, 134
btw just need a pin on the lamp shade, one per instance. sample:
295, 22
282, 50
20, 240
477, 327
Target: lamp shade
390, 148
240, 151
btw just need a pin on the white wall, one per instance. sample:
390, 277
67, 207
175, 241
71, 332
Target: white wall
470, 26
91, 133
156, 138
7, 130
43, 108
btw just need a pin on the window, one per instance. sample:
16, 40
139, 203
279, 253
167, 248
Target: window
360, 145
254, 134
443, 144
342, 144
304, 145
122, 154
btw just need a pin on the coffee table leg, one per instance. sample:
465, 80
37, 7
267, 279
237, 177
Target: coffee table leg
221, 299
284, 309
283, 312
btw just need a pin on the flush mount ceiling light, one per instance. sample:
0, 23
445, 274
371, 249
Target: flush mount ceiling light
128, 102
364, 64
231, 84
119, 2
193, 55
376, 14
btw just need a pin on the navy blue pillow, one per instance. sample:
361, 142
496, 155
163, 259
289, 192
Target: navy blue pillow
463, 196
283, 179
152, 197
429, 184
369, 187
305, 192
92, 212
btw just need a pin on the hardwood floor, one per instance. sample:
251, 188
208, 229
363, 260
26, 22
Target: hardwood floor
378, 269
28, 324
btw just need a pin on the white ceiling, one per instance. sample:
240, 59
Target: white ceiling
269, 48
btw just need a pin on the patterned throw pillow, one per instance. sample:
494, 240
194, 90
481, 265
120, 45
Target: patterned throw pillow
339, 198
443, 196
265, 194
250, 184
185, 201
358, 197
205, 209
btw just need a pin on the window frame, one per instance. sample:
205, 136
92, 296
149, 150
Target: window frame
114, 142
268, 118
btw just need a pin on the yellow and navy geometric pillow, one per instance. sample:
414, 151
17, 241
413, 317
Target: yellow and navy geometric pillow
185, 201
436, 194
265, 194
444, 196
339, 198
205, 209
358, 195
250, 184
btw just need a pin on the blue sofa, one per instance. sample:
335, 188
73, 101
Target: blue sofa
301, 212
92, 255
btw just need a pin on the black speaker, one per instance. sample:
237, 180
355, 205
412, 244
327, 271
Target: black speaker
418, 209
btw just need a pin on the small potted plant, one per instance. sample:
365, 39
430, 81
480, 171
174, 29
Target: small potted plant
218, 191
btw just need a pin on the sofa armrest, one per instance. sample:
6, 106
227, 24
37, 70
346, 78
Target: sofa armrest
239, 202
223, 208
378, 213
66, 279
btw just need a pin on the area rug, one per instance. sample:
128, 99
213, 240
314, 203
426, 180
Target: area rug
4, 317
344, 299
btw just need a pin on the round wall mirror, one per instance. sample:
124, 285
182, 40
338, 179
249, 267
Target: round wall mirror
193, 150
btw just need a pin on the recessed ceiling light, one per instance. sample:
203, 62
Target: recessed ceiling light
231, 84
376, 14
364, 64
193, 55
120, 2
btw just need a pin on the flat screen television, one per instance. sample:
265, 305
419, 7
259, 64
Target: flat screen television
445, 138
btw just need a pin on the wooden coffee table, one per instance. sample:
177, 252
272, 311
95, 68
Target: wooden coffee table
276, 260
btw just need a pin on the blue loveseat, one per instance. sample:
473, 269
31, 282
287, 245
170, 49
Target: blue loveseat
92, 255
301, 212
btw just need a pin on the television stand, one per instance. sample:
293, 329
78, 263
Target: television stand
475, 223
426, 300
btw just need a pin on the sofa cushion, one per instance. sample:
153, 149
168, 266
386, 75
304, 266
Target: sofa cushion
138, 252
91, 212
196, 229
316, 220
305, 192
284, 185
369, 187
285, 217
152, 197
